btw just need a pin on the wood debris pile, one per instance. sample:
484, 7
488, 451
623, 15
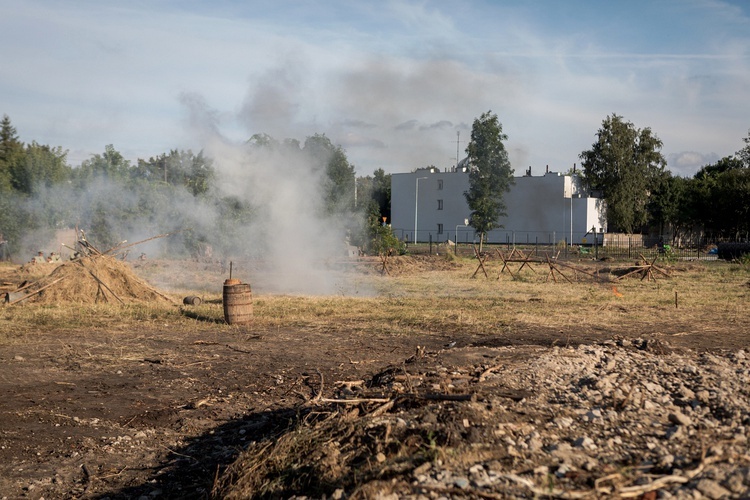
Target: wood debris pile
92, 277
88, 280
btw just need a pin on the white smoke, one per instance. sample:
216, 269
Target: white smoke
288, 241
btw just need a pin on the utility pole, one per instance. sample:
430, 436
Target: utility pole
458, 140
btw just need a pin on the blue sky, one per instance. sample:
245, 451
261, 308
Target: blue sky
392, 82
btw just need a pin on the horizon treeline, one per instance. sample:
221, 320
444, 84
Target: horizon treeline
190, 194
179, 191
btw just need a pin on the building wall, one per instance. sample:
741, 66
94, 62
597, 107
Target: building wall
536, 207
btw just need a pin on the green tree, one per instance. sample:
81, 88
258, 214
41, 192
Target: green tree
490, 174
11, 153
40, 165
263, 140
744, 154
724, 165
338, 174
111, 164
667, 201
719, 198
381, 192
177, 168
624, 164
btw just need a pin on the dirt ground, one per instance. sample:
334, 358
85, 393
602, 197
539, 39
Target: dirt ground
159, 412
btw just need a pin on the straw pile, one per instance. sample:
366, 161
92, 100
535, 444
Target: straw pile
92, 279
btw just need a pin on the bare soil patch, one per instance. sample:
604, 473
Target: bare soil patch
440, 386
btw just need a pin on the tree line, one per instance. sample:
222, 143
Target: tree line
625, 167
114, 198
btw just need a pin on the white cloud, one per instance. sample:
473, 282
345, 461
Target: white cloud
687, 163
391, 83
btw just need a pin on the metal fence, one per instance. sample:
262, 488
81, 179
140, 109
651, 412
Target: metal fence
614, 246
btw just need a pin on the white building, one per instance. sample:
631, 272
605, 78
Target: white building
544, 209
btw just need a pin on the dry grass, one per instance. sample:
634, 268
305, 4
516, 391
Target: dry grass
417, 300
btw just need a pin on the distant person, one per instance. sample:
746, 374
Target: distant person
38, 258
53, 257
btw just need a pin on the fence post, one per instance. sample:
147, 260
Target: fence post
630, 247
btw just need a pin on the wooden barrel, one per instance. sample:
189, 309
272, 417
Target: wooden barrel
192, 301
238, 303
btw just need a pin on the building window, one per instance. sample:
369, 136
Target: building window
440, 204
440, 229
440, 183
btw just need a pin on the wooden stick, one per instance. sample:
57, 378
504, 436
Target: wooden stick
578, 269
448, 397
144, 241
34, 292
99, 292
105, 286
382, 409
101, 283
320, 390
354, 401
638, 270
552, 270
27, 285
505, 264
489, 370
481, 263
384, 258
546, 491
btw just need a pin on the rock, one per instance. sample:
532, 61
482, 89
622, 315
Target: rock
653, 388
592, 415
461, 482
585, 442
541, 470
685, 393
712, 489
739, 480
562, 470
563, 422
675, 432
703, 396
422, 469
679, 418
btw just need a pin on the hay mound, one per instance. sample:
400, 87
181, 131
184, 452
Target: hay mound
88, 280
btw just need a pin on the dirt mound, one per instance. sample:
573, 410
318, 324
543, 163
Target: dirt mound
88, 280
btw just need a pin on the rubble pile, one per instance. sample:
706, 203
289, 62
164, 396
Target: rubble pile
623, 419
